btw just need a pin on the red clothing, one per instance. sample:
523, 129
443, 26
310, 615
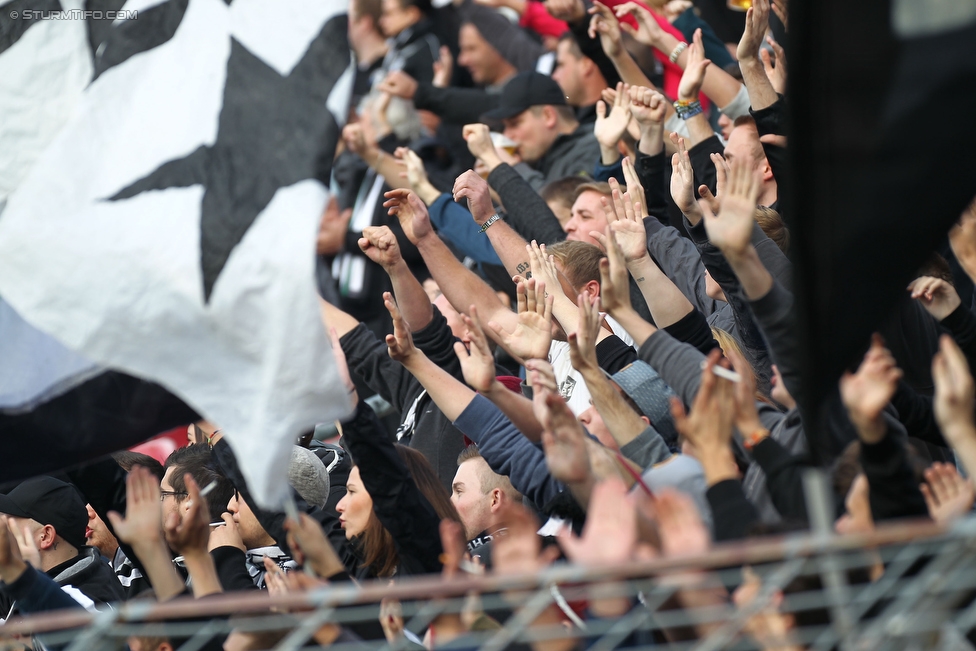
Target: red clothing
541, 21
672, 72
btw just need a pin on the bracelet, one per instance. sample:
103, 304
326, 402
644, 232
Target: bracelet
676, 52
488, 222
755, 438
687, 108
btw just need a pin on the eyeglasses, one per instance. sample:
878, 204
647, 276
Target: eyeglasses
164, 494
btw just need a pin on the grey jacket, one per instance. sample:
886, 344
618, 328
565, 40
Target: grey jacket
570, 155
680, 366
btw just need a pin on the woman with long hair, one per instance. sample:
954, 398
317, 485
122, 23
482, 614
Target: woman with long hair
394, 502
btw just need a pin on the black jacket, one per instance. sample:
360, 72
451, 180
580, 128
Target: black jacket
397, 502
426, 428
414, 51
91, 575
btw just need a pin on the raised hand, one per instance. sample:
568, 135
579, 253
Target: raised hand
571, 11
26, 545
626, 222
143, 522
541, 374
416, 175
191, 533
12, 565
443, 68
746, 415
695, 65
954, 396
648, 106
308, 543
636, 191
399, 84
709, 427
679, 525
775, 70
938, 297
475, 189
780, 8
562, 438
648, 31
947, 495
604, 24
867, 392
614, 278
391, 619
582, 343
478, 138
683, 179
532, 336
519, 551
731, 230
477, 362
610, 533
400, 343
355, 139
380, 245
722, 172
610, 126
757, 24
411, 212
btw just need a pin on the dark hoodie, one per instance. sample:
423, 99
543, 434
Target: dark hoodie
87, 572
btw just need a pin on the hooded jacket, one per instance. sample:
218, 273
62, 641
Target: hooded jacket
571, 154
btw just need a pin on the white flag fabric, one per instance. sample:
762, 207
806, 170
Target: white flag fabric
168, 230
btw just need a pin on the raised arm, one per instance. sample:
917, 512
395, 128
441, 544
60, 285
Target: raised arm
380, 245
460, 285
501, 444
624, 424
761, 91
526, 211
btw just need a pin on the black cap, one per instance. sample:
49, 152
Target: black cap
49, 501
525, 90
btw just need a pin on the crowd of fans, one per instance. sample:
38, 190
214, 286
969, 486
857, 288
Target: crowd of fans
556, 246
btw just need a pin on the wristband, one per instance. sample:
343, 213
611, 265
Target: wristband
687, 108
491, 220
755, 438
676, 52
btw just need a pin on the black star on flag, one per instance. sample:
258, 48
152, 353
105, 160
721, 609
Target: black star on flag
166, 234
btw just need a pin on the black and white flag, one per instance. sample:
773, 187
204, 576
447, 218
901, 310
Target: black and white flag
167, 231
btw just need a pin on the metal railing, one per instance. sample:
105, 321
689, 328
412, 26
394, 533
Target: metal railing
925, 597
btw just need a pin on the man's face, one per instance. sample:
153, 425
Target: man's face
477, 55
594, 424
97, 535
562, 210
743, 144
587, 215
531, 132
568, 74
170, 503
395, 18
252, 533
470, 500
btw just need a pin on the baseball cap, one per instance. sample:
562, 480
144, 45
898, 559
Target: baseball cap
49, 501
525, 90
644, 386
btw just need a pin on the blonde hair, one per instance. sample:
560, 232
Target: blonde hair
580, 261
727, 342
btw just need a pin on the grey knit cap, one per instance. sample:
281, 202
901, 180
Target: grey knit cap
308, 476
509, 39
